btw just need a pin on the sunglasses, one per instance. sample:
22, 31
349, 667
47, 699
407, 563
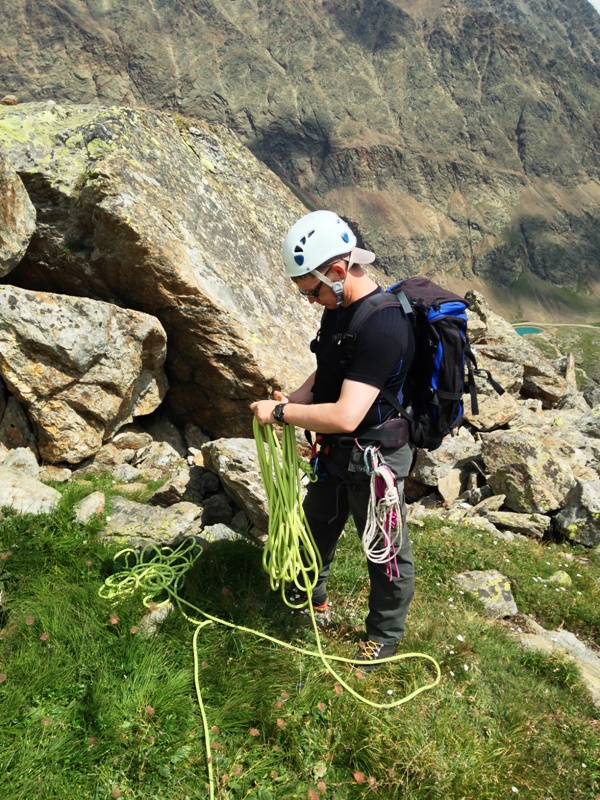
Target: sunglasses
314, 293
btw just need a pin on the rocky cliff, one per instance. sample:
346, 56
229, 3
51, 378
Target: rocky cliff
460, 137
181, 223
139, 256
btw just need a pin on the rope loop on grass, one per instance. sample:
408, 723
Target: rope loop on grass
290, 551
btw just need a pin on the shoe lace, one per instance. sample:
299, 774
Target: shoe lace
371, 649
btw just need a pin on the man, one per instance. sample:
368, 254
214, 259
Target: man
341, 401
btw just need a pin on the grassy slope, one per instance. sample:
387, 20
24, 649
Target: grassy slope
90, 709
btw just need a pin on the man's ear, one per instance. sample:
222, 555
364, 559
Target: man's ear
340, 268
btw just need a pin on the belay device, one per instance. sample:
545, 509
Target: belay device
443, 366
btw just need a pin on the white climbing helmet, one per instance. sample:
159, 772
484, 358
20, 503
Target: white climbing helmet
317, 238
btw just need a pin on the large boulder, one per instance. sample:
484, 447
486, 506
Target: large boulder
178, 220
235, 461
580, 518
81, 368
527, 469
17, 217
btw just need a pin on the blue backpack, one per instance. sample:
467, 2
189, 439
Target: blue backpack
443, 366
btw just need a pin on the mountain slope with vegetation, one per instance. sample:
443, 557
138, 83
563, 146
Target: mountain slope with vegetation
93, 707
460, 137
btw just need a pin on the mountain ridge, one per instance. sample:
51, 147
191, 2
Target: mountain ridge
461, 139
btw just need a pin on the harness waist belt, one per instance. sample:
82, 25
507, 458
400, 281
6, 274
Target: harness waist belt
392, 433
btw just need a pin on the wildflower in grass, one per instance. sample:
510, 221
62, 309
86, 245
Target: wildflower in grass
321, 706
338, 689
225, 591
204, 664
134, 629
5, 556
29, 620
281, 723
275, 748
92, 740
321, 786
88, 562
2, 677
216, 745
312, 795
284, 695
116, 793
46, 720
114, 619
460, 638
359, 777
254, 732
278, 704
44, 637
150, 710
238, 769
215, 729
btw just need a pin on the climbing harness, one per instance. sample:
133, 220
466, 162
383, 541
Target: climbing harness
158, 572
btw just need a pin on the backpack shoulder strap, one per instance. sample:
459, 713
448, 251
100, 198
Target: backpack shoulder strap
370, 305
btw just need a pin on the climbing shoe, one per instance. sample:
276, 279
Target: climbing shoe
369, 653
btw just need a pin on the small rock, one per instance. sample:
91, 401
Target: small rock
85, 509
561, 578
126, 473
50, 473
151, 621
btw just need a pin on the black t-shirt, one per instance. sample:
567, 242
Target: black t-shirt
380, 356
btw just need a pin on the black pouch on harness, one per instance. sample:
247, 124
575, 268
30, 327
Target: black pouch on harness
392, 433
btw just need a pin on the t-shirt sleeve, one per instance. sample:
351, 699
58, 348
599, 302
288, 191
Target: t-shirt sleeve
382, 346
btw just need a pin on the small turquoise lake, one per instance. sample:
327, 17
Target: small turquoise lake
522, 330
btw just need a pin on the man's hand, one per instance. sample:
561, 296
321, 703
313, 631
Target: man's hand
263, 409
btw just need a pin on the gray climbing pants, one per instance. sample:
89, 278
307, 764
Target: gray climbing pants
328, 505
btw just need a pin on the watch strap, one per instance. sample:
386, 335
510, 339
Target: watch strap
278, 412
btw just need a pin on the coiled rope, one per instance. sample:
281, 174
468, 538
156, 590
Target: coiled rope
382, 536
158, 573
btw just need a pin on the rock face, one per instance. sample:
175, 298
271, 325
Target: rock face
81, 368
181, 223
461, 137
17, 217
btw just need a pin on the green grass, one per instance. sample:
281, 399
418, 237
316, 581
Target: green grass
92, 710
583, 343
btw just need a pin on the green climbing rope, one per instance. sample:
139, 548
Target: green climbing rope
289, 552
290, 555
